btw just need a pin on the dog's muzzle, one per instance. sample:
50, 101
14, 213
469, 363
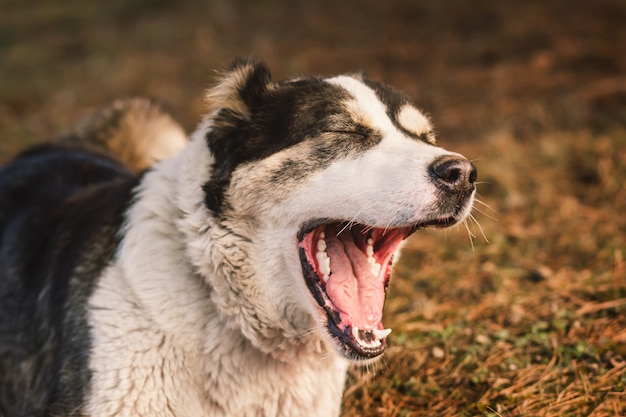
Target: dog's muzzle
346, 265
455, 177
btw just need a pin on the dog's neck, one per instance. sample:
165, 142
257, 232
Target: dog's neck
174, 250
212, 256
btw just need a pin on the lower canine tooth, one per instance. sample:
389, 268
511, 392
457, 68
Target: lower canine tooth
381, 334
355, 332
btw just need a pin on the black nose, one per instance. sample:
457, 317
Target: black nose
453, 172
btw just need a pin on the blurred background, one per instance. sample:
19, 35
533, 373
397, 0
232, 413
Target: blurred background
474, 66
525, 316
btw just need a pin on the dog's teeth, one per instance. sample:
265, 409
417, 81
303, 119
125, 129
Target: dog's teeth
369, 251
375, 268
325, 266
355, 332
322, 235
381, 334
323, 262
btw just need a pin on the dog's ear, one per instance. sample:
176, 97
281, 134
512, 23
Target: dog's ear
232, 104
359, 75
241, 88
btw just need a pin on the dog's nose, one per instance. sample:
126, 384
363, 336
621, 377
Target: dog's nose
453, 172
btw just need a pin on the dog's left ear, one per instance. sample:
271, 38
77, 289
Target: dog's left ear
359, 75
241, 88
232, 104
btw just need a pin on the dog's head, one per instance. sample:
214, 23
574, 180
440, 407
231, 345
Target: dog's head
329, 176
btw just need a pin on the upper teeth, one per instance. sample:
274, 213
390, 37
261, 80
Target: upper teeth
369, 251
324, 265
323, 260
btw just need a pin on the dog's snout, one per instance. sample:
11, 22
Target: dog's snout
453, 172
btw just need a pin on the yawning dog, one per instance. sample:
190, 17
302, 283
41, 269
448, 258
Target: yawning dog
238, 277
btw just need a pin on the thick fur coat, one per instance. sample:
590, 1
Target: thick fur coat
239, 277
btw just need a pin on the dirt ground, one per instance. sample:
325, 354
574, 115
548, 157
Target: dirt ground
526, 318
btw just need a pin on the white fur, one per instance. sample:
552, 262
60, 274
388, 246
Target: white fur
200, 317
413, 120
159, 300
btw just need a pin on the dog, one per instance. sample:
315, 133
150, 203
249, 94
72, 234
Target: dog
239, 276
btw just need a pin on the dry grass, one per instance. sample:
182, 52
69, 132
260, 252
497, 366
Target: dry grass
530, 323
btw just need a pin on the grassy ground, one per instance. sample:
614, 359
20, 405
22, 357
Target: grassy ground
524, 319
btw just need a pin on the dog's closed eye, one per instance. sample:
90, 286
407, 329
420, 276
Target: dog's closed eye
356, 133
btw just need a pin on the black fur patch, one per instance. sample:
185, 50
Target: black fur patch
394, 100
323, 151
59, 209
281, 115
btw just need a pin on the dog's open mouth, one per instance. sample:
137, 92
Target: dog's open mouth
346, 267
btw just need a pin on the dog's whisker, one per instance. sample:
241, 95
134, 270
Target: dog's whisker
480, 228
483, 213
353, 221
479, 201
396, 210
343, 229
470, 234
367, 229
487, 206
468, 228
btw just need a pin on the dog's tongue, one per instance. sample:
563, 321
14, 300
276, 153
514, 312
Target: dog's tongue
352, 286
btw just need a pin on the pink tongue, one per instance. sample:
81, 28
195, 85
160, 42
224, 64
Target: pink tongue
352, 287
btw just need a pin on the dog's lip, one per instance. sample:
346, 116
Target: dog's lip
439, 222
313, 224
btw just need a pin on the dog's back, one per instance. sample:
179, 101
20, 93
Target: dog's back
61, 205
135, 131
